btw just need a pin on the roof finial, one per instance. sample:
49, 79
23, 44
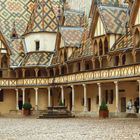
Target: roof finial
14, 32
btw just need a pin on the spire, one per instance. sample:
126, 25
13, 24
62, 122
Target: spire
43, 18
14, 34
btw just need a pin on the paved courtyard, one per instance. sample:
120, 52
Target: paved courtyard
69, 129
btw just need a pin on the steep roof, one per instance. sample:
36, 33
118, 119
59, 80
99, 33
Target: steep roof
114, 18
123, 43
17, 52
15, 10
5, 44
34, 59
43, 18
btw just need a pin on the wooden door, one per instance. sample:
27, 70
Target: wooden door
123, 104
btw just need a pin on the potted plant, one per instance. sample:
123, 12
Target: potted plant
103, 111
27, 109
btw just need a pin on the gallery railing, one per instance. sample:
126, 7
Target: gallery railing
94, 75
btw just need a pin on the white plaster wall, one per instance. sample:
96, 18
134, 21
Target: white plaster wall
138, 18
99, 28
47, 41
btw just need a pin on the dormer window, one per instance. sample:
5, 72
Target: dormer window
37, 45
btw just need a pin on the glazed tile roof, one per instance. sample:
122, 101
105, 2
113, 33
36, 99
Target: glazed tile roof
37, 59
124, 43
73, 18
85, 51
72, 36
114, 18
17, 11
17, 52
43, 18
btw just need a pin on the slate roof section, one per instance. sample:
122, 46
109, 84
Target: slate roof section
18, 11
17, 52
73, 18
34, 59
43, 18
114, 18
124, 43
72, 36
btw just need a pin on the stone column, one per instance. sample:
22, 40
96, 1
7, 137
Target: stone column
49, 97
99, 93
23, 95
117, 96
73, 101
85, 97
17, 98
139, 95
23, 73
62, 94
36, 98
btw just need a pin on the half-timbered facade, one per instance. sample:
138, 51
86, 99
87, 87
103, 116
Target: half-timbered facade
67, 56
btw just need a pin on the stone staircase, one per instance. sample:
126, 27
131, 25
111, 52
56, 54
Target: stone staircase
56, 112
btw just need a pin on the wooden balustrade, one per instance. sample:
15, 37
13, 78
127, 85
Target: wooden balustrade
106, 74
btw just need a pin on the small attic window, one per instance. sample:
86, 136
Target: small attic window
37, 45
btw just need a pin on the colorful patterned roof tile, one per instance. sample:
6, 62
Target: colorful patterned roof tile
37, 59
73, 18
114, 18
125, 42
17, 50
72, 36
17, 11
43, 18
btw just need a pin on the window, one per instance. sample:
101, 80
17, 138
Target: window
37, 44
116, 60
78, 66
0, 74
1, 95
123, 59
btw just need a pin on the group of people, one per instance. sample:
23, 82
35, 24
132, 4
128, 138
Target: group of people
133, 107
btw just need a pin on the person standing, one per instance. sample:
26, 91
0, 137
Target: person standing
129, 106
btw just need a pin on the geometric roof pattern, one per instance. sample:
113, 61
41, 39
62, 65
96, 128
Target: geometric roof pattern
17, 11
114, 18
73, 18
125, 42
43, 18
72, 36
37, 59
17, 52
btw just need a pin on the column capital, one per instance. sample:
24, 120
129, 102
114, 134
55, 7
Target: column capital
36, 89
138, 81
72, 86
84, 85
23, 89
116, 82
99, 84
16, 89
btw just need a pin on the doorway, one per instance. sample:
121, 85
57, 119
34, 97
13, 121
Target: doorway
89, 104
123, 104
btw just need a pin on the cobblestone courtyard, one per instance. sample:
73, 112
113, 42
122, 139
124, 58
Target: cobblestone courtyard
69, 129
